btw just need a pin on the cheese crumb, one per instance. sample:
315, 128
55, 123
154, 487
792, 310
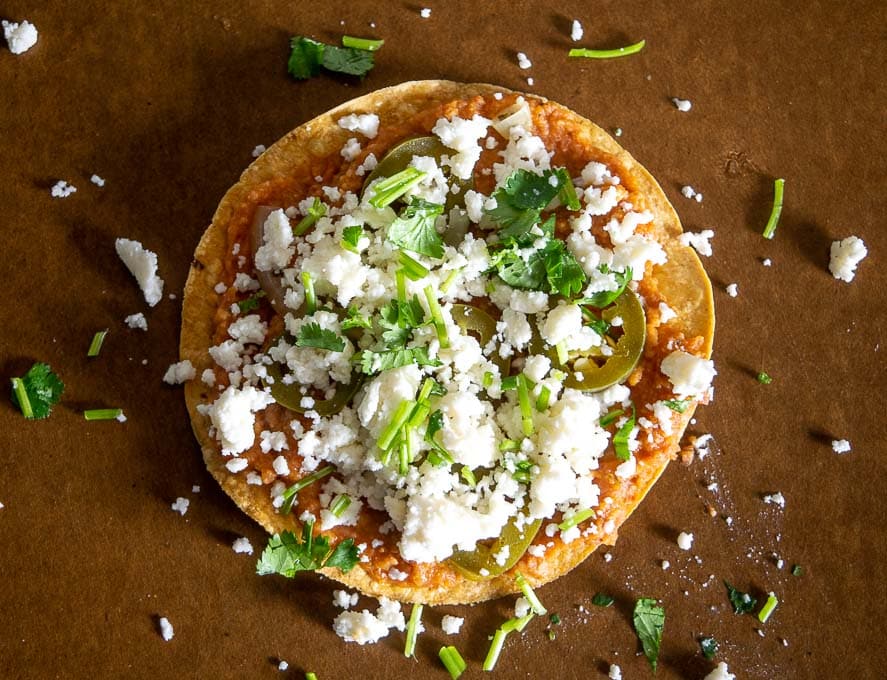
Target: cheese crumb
775, 498
767, 262
366, 124
699, 241
142, 264
280, 466
690, 375
733, 290
98, 181
232, 414
258, 150
451, 625
62, 189
615, 672
166, 629
576, 31
425, 12
722, 672
682, 104
283, 666
181, 505
20, 37
364, 627
521, 607
179, 372
841, 446
845, 255
523, 61
665, 565
242, 545
137, 320
685, 540
343, 599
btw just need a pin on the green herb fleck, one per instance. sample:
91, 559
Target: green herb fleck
743, 603
362, 43
452, 661
776, 211
312, 335
797, 570
768, 608
620, 439
709, 647
764, 378
354, 319
351, 238
677, 405
251, 303
103, 414
608, 54
96, 345
414, 228
371, 363
602, 600
649, 620
36, 392
308, 56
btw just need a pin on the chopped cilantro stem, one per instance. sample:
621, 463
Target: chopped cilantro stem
509, 383
102, 413
445, 286
96, 345
610, 417
317, 210
517, 624
388, 190
425, 390
419, 414
340, 505
310, 676
563, 356
468, 475
437, 319
289, 496
487, 380
608, 54
361, 43
526, 408
768, 608
578, 518
509, 445
310, 297
401, 283
413, 269
620, 439
525, 588
389, 433
495, 649
568, 197
405, 452
543, 398
18, 385
776, 211
412, 630
452, 661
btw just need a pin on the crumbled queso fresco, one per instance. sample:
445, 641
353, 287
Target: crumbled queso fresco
386, 442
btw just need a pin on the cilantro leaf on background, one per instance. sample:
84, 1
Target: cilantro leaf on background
312, 335
565, 275
607, 297
251, 303
677, 405
602, 600
414, 229
354, 319
36, 392
308, 56
649, 620
375, 362
286, 555
398, 319
351, 237
521, 200
743, 603
709, 647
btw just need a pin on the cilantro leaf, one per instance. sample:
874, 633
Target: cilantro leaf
743, 603
602, 600
606, 297
620, 439
414, 229
351, 237
398, 319
354, 319
521, 199
347, 60
375, 362
286, 555
677, 405
565, 275
37, 391
312, 335
514, 222
709, 647
308, 56
649, 620
344, 556
440, 455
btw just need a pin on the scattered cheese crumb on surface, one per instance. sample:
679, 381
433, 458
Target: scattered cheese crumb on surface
179, 372
120, 417
665, 565
242, 545
615, 672
699, 241
722, 672
682, 104
523, 61
775, 499
576, 31
521, 607
137, 321
20, 37
283, 665
767, 262
258, 150
451, 625
685, 540
98, 181
195, 488
701, 444
366, 124
166, 629
181, 505
363, 627
841, 446
62, 189
142, 264
425, 12
733, 290
844, 257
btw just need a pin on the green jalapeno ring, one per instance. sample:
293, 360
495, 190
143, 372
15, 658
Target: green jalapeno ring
470, 562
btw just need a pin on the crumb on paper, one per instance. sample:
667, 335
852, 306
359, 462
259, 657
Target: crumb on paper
685, 540
523, 61
576, 31
242, 545
258, 150
62, 189
732, 290
20, 37
166, 629
683, 105
180, 505
840, 446
844, 256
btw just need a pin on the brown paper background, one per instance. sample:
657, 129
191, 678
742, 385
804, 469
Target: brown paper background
166, 100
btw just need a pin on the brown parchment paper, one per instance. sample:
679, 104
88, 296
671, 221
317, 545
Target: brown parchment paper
166, 102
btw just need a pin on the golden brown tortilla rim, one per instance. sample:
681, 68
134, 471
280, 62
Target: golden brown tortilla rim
682, 282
